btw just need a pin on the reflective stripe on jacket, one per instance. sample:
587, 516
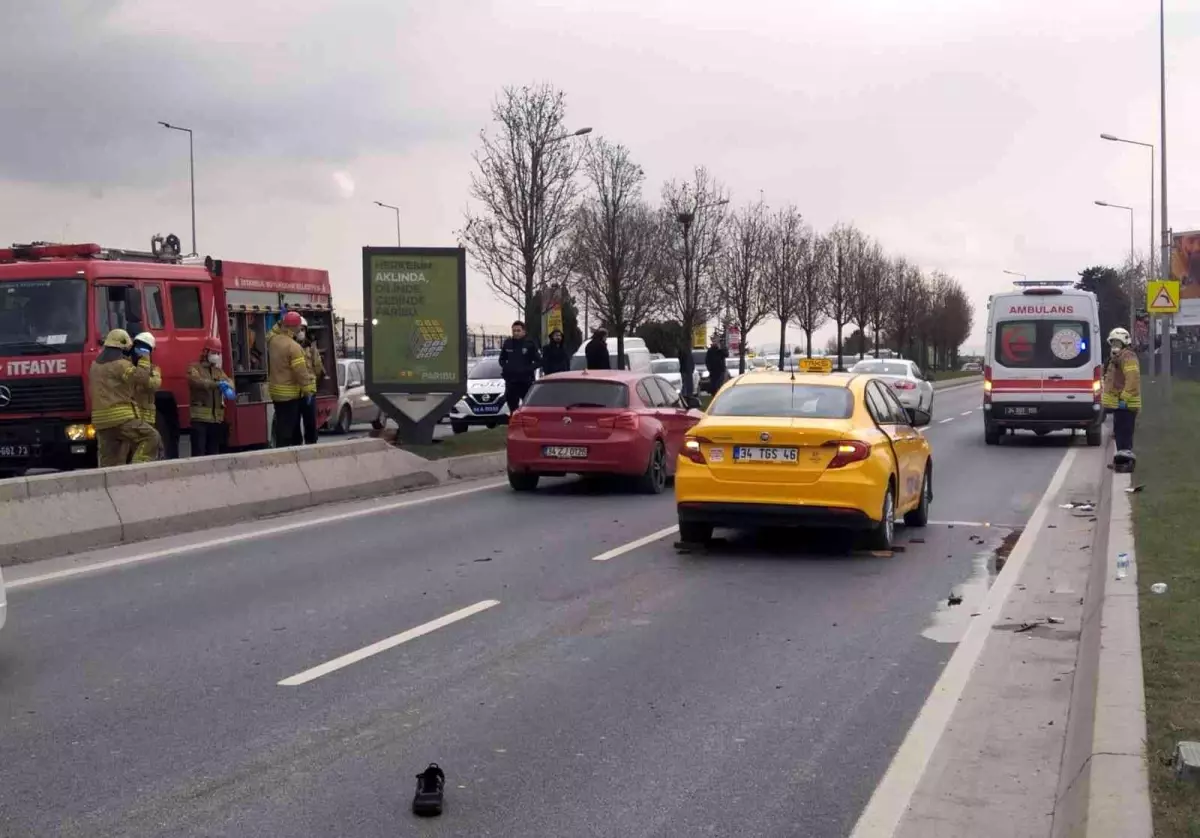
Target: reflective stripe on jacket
1122, 381
206, 402
111, 385
288, 377
143, 392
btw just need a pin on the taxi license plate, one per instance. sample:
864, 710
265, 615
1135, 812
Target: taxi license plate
764, 454
564, 452
13, 451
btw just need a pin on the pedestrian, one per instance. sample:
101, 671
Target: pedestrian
555, 357
1122, 392
208, 389
519, 361
714, 360
111, 382
144, 393
596, 352
289, 383
316, 368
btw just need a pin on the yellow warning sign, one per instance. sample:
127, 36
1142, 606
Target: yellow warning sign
1162, 296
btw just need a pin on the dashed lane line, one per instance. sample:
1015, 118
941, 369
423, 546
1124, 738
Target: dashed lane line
635, 544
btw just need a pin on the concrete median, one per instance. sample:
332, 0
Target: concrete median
58, 514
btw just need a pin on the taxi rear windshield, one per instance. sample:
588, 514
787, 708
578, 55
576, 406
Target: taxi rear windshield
791, 401
576, 393
1042, 344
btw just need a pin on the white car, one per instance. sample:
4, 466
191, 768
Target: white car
905, 379
483, 403
669, 369
354, 405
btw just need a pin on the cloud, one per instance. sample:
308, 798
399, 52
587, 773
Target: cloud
344, 184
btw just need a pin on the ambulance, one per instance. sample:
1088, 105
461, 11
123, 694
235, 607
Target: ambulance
1043, 365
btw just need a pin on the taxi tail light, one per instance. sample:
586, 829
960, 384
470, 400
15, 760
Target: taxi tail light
848, 451
692, 450
626, 421
987, 385
904, 385
521, 419
1097, 383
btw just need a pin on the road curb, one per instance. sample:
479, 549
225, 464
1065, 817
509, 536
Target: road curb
1104, 785
954, 383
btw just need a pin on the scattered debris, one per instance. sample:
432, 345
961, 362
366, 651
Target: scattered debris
1055, 620
916, 540
954, 599
882, 554
1032, 624
1187, 761
1086, 506
898, 548
1159, 588
431, 784
1132, 489
484, 559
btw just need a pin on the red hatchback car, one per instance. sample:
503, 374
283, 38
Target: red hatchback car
598, 422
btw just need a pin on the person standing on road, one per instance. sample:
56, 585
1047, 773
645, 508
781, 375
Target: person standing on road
316, 368
519, 360
144, 393
208, 389
1122, 391
714, 361
596, 352
111, 382
289, 383
555, 357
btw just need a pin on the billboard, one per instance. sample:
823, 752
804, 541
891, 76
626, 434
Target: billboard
416, 315
1185, 268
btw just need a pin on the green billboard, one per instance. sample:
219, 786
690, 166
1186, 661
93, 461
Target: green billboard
415, 312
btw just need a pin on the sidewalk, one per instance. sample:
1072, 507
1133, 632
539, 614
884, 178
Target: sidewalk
987, 754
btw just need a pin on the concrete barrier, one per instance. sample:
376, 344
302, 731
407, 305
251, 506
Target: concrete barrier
59, 514
951, 383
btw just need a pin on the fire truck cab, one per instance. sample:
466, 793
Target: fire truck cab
58, 301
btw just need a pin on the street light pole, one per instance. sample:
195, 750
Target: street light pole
1132, 258
1166, 228
395, 210
1016, 273
191, 175
685, 219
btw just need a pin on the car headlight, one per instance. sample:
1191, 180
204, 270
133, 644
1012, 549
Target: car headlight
81, 433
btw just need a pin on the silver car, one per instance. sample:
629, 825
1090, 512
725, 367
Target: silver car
669, 368
910, 386
354, 405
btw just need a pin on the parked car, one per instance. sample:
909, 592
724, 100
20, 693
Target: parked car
637, 356
669, 368
599, 422
353, 404
905, 379
972, 366
483, 403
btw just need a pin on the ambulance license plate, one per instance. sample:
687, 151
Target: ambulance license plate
1020, 411
12, 452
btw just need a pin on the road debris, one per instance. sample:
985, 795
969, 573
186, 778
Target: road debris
431, 784
1133, 489
1159, 588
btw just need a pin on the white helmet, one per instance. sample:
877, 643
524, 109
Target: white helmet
1119, 335
145, 338
303, 322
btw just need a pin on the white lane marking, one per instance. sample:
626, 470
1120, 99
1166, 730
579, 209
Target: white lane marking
944, 421
387, 643
963, 524
265, 532
633, 545
887, 806
966, 413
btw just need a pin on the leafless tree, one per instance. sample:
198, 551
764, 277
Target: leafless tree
869, 271
880, 303
846, 243
741, 273
788, 248
617, 243
815, 275
946, 319
526, 188
694, 212
908, 301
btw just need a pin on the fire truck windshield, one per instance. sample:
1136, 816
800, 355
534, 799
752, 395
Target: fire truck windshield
40, 316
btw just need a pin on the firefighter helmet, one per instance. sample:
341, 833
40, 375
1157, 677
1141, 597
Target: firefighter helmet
212, 344
1119, 335
118, 339
292, 320
145, 339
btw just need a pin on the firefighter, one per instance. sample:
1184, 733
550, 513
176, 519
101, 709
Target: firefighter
208, 389
289, 383
1122, 394
112, 381
316, 368
144, 393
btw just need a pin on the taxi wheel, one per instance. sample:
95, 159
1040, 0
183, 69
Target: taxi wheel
919, 517
880, 537
654, 480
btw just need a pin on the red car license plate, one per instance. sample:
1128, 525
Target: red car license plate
564, 452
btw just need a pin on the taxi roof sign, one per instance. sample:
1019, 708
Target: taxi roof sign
824, 365
1162, 296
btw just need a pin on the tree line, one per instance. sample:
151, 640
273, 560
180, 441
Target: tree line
555, 212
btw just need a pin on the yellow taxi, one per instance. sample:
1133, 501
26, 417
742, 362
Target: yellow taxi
804, 449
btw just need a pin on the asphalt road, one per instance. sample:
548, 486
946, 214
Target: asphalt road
758, 688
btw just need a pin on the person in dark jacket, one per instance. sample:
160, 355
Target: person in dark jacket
519, 360
597, 351
714, 360
555, 357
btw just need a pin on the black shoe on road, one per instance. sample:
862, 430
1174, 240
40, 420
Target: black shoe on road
431, 784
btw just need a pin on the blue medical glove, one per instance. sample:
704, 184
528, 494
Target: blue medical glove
1122, 405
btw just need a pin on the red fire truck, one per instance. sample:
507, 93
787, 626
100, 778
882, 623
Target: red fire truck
57, 302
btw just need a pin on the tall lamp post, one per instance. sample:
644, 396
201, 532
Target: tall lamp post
1166, 229
395, 210
191, 174
685, 219
1016, 273
1132, 257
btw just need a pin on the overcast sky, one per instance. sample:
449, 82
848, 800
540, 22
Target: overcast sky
963, 134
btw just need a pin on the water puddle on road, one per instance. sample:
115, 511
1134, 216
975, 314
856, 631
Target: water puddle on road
950, 621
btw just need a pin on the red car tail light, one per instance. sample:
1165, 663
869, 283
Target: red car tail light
691, 449
987, 385
904, 385
1097, 383
848, 451
621, 422
520, 420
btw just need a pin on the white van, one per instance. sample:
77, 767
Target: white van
1042, 371
637, 356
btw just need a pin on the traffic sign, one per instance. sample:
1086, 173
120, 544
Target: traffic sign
1162, 296
823, 365
700, 336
